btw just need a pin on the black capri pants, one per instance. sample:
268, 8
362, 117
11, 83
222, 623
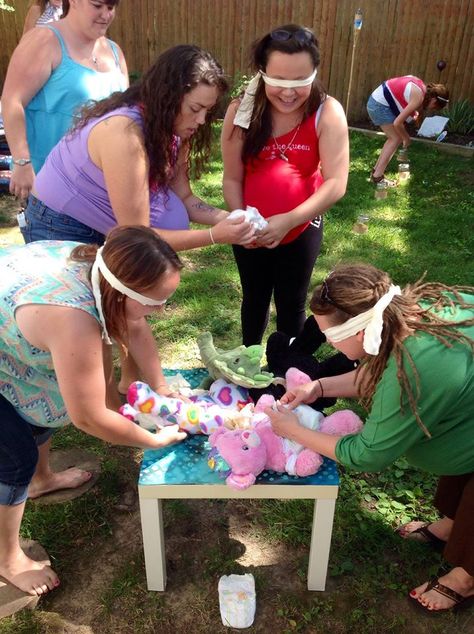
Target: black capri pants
284, 273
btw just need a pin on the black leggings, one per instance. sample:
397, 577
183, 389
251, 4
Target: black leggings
285, 273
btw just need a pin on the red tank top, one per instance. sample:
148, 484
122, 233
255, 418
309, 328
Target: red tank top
397, 86
275, 186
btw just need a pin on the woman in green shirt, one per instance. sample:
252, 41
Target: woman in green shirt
417, 379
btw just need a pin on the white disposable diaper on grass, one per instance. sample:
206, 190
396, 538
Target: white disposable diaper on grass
237, 600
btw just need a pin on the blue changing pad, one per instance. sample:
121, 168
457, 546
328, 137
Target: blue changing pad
186, 462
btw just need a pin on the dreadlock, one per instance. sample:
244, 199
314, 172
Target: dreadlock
352, 289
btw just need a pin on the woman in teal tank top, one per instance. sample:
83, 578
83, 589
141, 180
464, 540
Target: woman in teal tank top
53, 72
61, 303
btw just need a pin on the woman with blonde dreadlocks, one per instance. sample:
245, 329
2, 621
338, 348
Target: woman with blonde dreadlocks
417, 379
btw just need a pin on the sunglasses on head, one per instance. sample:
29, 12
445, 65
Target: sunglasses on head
301, 36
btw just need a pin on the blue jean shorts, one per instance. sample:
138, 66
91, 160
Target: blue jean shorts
19, 442
378, 113
43, 223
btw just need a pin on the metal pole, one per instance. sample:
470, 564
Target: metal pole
357, 28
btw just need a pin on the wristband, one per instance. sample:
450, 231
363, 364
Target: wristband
321, 386
211, 236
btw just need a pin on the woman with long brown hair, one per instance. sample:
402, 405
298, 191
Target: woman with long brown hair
60, 305
128, 161
285, 148
417, 379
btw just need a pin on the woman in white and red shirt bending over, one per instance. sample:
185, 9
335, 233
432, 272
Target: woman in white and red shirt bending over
395, 102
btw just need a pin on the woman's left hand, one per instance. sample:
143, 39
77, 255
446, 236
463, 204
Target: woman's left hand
277, 228
284, 422
165, 390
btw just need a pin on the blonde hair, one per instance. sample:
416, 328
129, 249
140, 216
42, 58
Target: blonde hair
352, 289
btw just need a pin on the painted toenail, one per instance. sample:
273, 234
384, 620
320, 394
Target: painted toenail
413, 593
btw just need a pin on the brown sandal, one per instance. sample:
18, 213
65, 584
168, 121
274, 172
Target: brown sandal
434, 584
428, 537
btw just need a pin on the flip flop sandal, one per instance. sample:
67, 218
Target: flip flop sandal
459, 600
428, 537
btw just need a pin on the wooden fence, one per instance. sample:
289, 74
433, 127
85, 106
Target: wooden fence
397, 37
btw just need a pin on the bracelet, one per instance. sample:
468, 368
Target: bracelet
321, 386
211, 236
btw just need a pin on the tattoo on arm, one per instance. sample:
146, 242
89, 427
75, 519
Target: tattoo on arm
202, 206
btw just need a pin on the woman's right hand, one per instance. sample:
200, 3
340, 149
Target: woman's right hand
233, 231
21, 181
169, 435
306, 393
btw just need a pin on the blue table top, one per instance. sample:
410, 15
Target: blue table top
186, 462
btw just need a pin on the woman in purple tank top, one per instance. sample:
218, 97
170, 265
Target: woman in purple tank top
128, 162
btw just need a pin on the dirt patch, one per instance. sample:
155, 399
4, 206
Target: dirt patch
9, 207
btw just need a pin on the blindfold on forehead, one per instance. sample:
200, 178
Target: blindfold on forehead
243, 115
370, 321
288, 83
100, 265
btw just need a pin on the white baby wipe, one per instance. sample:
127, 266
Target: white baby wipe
252, 215
237, 600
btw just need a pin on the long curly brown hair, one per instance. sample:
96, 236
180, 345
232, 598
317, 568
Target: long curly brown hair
260, 128
159, 94
138, 257
352, 289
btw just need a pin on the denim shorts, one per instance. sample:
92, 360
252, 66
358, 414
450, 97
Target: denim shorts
378, 113
19, 442
43, 223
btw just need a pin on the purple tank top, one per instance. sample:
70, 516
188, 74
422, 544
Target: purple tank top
71, 184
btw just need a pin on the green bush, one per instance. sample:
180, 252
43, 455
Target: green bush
239, 85
461, 117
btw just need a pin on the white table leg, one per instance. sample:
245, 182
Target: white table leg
320, 543
153, 543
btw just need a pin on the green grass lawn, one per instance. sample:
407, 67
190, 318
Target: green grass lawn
423, 226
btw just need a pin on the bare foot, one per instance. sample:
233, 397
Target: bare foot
440, 529
30, 576
68, 479
457, 579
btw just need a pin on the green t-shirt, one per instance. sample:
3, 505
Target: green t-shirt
445, 405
